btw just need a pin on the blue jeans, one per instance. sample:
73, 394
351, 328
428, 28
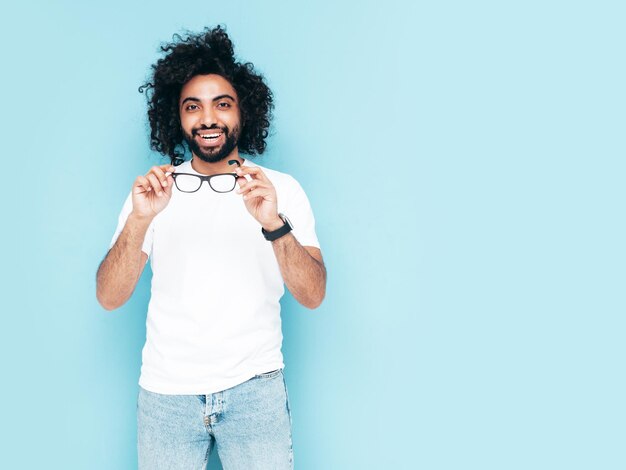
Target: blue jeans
249, 425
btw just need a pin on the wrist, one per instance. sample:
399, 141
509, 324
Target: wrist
274, 224
140, 219
277, 230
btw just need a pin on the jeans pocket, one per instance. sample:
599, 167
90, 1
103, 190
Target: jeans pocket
269, 375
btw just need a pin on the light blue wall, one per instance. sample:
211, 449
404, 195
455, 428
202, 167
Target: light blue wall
465, 161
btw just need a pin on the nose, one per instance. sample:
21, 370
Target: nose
208, 116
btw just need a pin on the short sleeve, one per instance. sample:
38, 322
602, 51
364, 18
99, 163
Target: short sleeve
126, 210
298, 209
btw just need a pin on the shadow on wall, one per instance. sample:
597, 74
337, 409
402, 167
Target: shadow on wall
214, 461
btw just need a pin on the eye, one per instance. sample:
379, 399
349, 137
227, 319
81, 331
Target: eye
223, 105
191, 107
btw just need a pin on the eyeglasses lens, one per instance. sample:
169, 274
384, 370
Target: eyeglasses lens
223, 183
187, 183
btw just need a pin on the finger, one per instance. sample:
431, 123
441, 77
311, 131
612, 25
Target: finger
170, 185
167, 168
250, 185
141, 185
265, 193
254, 171
243, 180
155, 183
159, 172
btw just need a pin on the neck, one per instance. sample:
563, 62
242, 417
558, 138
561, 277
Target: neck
222, 166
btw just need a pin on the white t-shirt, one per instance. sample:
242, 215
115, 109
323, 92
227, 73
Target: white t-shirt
214, 315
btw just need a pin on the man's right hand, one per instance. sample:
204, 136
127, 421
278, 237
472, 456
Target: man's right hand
152, 192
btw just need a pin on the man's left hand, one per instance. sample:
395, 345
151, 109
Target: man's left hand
259, 197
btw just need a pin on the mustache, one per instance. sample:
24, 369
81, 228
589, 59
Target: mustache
214, 127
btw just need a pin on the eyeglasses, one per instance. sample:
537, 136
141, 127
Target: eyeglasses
190, 183
220, 183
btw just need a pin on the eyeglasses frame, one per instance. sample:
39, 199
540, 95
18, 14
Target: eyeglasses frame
206, 178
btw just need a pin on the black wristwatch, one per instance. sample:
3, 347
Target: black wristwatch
279, 232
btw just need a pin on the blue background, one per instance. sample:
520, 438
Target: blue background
465, 161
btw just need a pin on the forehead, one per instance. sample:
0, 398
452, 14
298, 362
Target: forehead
206, 87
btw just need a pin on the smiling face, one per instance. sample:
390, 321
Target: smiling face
210, 117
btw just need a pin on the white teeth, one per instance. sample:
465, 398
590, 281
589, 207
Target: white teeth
210, 136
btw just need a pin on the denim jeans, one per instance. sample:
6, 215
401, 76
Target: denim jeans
249, 425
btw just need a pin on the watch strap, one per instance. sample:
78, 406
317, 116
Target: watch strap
279, 232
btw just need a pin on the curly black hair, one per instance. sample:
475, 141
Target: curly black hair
208, 52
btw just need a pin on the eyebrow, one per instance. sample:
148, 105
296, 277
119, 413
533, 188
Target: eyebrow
223, 96
217, 98
190, 98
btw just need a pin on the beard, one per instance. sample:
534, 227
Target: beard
213, 154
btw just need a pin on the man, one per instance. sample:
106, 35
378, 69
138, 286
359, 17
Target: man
217, 230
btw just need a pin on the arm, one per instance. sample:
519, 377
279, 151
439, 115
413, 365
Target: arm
302, 268
122, 266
